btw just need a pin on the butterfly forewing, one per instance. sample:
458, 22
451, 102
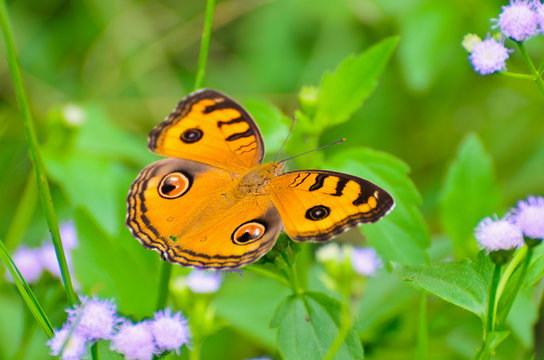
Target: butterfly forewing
316, 205
209, 127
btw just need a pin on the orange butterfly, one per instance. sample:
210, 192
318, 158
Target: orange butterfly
212, 204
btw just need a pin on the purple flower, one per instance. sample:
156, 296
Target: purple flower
95, 319
48, 258
365, 261
169, 331
203, 282
489, 56
68, 235
518, 20
539, 11
134, 341
29, 264
529, 217
495, 234
73, 348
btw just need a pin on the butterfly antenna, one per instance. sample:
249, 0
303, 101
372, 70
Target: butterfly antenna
319, 148
285, 141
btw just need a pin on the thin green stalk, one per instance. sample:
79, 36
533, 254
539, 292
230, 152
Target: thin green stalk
26, 293
541, 67
517, 75
346, 322
484, 353
291, 274
205, 44
347, 317
519, 283
422, 333
508, 271
202, 59
32, 142
95, 351
491, 310
23, 213
525, 56
194, 354
166, 271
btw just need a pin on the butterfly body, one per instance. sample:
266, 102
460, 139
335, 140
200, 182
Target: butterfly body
212, 204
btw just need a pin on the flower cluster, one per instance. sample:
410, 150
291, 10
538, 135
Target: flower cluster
527, 219
519, 20
32, 262
364, 261
203, 282
97, 319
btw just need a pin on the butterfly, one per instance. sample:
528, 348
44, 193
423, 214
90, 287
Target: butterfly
213, 204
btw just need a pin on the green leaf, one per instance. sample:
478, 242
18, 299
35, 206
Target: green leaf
456, 282
333, 308
343, 91
426, 32
402, 235
385, 297
523, 316
246, 304
536, 267
469, 193
91, 174
308, 324
115, 267
26, 292
272, 123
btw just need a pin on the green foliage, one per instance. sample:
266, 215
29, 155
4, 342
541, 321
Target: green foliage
124, 67
457, 282
307, 326
102, 267
470, 179
402, 235
343, 91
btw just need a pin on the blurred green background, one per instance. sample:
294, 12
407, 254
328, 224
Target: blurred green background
126, 64
135, 60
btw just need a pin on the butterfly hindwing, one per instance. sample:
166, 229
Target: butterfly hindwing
209, 127
316, 205
187, 212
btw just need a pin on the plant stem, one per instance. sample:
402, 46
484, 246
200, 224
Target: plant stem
483, 352
491, 310
166, 271
346, 322
205, 44
423, 334
519, 284
95, 352
26, 292
202, 58
517, 75
525, 56
32, 143
23, 213
194, 354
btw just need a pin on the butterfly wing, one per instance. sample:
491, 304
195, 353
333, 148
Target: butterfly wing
209, 127
187, 211
316, 205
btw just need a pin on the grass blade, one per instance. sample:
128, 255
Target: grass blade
26, 293
32, 143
